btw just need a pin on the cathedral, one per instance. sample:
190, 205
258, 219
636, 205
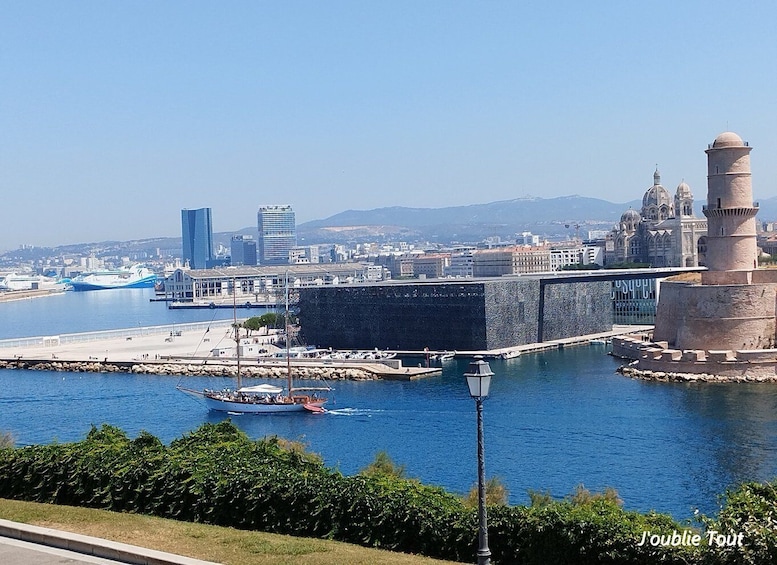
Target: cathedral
664, 233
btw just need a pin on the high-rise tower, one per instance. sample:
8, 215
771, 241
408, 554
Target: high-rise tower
732, 253
243, 250
277, 234
197, 236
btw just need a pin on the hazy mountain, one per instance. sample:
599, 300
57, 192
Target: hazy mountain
551, 217
548, 217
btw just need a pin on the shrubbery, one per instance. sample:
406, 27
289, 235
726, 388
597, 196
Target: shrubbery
217, 475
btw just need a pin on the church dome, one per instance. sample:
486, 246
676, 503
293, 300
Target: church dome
657, 196
657, 203
728, 139
630, 219
683, 190
683, 200
630, 215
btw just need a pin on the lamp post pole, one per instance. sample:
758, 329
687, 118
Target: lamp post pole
479, 381
484, 554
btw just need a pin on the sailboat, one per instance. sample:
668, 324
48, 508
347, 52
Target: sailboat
263, 398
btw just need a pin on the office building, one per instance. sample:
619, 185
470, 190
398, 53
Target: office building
277, 234
197, 236
242, 250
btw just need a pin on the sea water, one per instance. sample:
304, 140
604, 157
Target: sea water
554, 420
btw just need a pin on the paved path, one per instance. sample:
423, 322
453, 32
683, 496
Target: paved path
15, 552
23, 544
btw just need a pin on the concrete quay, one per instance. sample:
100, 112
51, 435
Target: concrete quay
516, 351
165, 351
11, 295
185, 351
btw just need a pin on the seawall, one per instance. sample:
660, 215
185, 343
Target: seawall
655, 360
197, 369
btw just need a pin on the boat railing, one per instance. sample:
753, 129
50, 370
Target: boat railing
54, 340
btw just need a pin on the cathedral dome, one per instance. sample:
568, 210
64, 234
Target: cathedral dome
630, 215
657, 196
630, 219
657, 203
728, 139
683, 190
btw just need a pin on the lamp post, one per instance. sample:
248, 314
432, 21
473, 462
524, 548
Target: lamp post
479, 380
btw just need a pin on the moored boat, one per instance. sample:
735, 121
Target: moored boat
16, 281
136, 276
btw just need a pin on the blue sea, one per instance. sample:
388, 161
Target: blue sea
554, 419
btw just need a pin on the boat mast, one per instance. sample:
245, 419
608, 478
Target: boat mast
286, 324
237, 332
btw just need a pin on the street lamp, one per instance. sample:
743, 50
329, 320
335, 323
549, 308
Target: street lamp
479, 381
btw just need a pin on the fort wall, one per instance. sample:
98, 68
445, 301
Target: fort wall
718, 317
656, 361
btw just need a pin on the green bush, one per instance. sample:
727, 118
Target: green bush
217, 475
749, 510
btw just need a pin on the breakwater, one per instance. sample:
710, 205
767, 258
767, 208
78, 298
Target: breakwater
200, 369
676, 377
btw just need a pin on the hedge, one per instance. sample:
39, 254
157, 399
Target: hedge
217, 475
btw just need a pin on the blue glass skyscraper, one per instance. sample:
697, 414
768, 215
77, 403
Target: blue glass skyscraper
197, 236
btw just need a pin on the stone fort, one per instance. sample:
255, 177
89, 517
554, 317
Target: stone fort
722, 324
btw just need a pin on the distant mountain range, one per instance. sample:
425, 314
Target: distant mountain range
550, 217
547, 217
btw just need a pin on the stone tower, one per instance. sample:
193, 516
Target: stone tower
732, 254
735, 306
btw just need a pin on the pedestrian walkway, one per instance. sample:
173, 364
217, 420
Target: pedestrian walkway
23, 544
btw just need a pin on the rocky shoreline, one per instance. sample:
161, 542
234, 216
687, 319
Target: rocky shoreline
183, 369
665, 376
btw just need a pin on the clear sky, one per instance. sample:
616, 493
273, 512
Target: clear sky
116, 115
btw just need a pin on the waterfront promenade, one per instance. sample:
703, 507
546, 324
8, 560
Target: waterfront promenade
186, 349
183, 349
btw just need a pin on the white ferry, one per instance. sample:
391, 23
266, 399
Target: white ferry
136, 276
14, 281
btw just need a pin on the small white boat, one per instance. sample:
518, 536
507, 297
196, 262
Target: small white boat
444, 356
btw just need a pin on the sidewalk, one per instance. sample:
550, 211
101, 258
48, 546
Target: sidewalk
97, 547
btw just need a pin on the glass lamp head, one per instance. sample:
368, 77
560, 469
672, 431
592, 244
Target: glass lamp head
478, 378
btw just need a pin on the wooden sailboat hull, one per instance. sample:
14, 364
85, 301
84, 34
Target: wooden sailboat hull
259, 407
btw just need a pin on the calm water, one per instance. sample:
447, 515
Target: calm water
554, 420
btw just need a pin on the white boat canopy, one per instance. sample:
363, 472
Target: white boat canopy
261, 389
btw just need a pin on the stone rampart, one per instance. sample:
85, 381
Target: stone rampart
693, 316
655, 362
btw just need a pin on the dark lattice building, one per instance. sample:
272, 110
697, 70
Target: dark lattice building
471, 315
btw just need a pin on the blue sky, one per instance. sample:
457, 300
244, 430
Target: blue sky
116, 115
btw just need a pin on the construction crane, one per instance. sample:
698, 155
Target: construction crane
577, 230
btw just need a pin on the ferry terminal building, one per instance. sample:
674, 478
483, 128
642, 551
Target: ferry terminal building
261, 286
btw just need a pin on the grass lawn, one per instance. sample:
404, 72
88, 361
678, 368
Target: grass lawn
211, 543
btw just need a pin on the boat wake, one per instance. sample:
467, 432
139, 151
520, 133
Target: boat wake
353, 412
